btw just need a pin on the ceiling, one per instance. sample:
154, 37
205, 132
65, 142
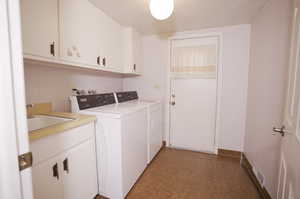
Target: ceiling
188, 14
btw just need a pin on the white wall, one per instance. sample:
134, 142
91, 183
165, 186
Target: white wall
152, 84
267, 76
53, 84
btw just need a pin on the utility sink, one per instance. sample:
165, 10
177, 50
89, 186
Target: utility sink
41, 121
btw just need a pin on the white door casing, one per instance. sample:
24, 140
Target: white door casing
289, 175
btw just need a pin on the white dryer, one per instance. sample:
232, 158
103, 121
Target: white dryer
154, 128
121, 139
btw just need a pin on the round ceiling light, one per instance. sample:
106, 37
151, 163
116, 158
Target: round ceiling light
161, 9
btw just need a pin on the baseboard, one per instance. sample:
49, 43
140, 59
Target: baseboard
229, 153
100, 197
249, 169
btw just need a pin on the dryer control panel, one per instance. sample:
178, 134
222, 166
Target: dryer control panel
92, 101
126, 96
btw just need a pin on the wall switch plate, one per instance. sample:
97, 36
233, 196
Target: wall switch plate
157, 86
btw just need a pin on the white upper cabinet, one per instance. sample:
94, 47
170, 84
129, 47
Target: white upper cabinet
40, 28
132, 51
80, 32
77, 33
111, 45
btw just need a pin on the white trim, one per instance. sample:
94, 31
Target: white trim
219, 92
191, 35
282, 168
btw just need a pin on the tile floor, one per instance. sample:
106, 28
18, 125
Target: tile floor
177, 174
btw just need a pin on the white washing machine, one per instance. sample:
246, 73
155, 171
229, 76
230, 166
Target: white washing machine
121, 138
155, 127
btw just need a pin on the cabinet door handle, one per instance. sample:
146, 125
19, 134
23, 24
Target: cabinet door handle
55, 171
98, 60
134, 67
104, 61
66, 165
52, 49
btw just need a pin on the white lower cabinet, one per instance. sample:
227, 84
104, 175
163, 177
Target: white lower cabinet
65, 165
79, 172
45, 184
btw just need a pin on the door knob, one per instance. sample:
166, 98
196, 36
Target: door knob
282, 131
173, 103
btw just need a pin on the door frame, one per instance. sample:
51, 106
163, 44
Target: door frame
219, 67
18, 184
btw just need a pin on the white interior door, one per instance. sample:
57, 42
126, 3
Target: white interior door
193, 94
13, 125
289, 176
193, 115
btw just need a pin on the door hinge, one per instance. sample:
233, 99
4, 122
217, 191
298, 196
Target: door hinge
25, 161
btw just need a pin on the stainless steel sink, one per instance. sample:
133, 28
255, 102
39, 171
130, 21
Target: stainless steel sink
41, 121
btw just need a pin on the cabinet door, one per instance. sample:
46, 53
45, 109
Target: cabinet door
47, 180
40, 27
80, 171
80, 32
132, 51
127, 50
112, 44
137, 53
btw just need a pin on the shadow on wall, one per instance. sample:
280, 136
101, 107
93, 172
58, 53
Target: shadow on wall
54, 84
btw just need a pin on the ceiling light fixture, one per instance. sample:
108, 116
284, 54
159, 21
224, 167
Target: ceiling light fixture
161, 9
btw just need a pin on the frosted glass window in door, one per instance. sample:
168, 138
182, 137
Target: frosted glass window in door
193, 60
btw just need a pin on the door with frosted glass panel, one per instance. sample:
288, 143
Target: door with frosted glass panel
193, 103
